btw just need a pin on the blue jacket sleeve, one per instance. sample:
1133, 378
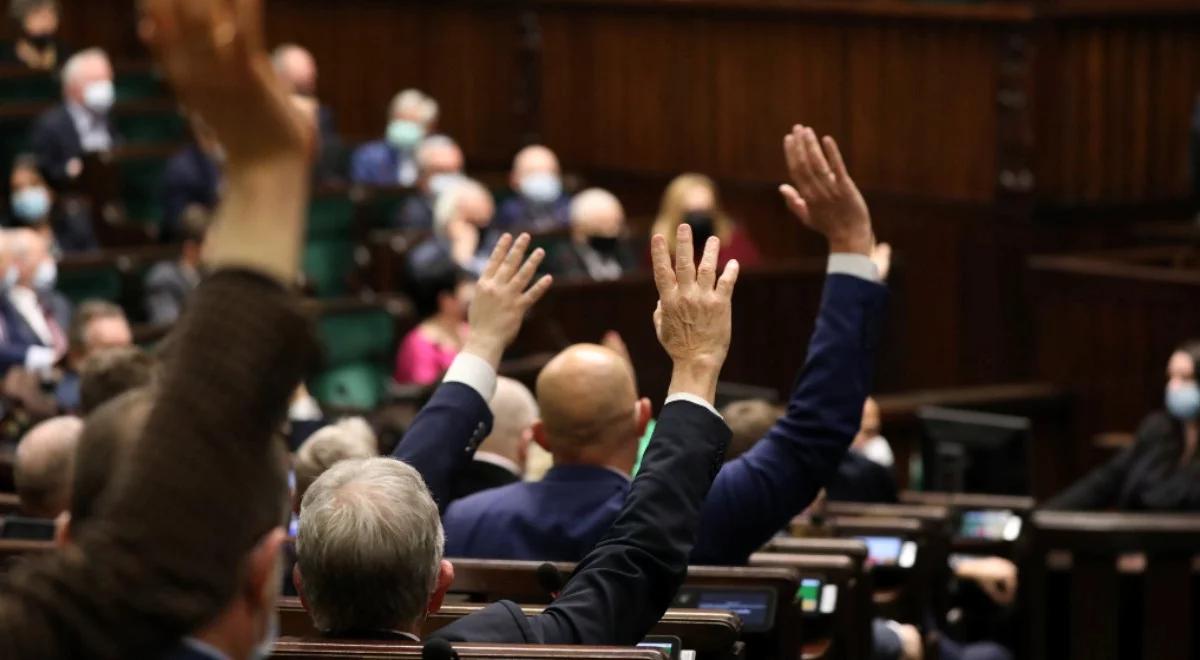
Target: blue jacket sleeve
443, 438
757, 494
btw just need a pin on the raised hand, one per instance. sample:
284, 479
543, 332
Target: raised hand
503, 296
214, 54
823, 195
694, 319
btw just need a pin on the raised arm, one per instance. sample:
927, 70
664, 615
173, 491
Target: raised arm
758, 493
442, 439
163, 553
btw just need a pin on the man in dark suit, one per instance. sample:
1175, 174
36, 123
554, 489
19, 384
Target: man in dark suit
540, 203
597, 248
620, 589
501, 458
34, 318
392, 161
81, 125
170, 283
191, 180
755, 495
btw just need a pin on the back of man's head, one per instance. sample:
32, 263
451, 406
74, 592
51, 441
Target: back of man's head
749, 420
349, 438
369, 548
110, 373
588, 404
44, 466
514, 410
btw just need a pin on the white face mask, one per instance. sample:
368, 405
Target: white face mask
46, 276
99, 96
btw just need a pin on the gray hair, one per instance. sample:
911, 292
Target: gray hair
70, 70
349, 438
515, 410
418, 102
437, 141
446, 207
369, 547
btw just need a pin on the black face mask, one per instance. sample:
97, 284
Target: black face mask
40, 42
605, 245
702, 228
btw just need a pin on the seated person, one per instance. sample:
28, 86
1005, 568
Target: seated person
692, 199
97, 326
440, 165
441, 292
592, 420
36, 46
540, 203
43, 467
391, 161
297, 67
1161, 471
328, 446
66, 225
461, 230
170, 283
81, 125
597, 249
34, 318
109, 373
370, 546
500, 459
191, 181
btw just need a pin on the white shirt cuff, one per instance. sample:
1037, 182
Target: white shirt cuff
474, 372
692, 398
40, 358
855, 265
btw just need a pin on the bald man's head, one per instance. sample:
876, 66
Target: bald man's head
589, 406
44, 466
514, 410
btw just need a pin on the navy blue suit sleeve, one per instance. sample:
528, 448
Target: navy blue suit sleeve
12, 355
758, 493
625, 584
443, 438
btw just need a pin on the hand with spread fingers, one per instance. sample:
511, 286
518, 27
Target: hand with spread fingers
214, 54
502, 297
823, 195
694, 319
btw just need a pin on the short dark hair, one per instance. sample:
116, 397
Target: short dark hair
749, 420
1191, 347
112, 372
89, 311
429, 278
19, 9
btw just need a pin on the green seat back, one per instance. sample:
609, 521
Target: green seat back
30, 89
150, 128
141, 188
367, 336
140, 85
359, 385
329, 251
91, 284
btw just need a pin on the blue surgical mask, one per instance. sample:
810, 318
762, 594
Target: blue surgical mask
541, 188
46, 276
99, 96
1183, 402
404, 134
31, 205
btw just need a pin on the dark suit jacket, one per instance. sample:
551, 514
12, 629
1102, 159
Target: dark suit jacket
18, 336
191, 178
481, 475
753, 497
566, 261
624, 584
416, 213
72, 227
519, 214
378, 164
1144, 477
860, 479
55, 141
167, 291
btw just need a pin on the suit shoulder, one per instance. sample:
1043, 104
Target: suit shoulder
504, 497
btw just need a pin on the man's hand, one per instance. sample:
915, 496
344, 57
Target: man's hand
694, 319
214, 54
501, 298
995, 575
823, 195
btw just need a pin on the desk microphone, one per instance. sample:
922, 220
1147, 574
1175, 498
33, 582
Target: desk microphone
438, 649
550, 579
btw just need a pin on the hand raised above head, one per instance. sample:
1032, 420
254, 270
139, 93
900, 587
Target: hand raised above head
823, 195
214, 54
694, 319
503, 296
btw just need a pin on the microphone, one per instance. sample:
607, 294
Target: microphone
550, 579
438, 649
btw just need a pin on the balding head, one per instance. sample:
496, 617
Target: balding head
85, 68
514, 410
297, 68
596, 212
534, 160
44, 466
589, 407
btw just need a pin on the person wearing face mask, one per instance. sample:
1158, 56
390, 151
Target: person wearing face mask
33, 316
32, 204
540, 203
440, 165
597, 249
693, 199
81, 125
1161, 471
36, 46
392, 160
442, 295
